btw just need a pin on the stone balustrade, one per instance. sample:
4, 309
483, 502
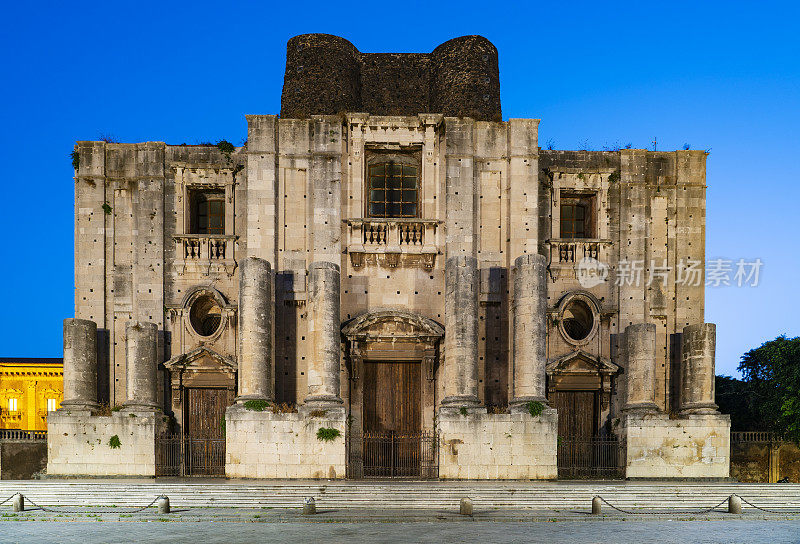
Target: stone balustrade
567, 252
204, 247
393, 238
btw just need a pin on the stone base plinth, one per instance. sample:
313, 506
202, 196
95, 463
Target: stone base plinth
268, 445
481, 446
691, 446
80, 444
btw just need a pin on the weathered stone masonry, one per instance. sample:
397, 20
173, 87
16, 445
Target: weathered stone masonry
390, 256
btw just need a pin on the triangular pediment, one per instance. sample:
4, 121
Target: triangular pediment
580, 361
201, 358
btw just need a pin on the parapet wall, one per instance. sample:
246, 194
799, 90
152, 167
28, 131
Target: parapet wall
326, 75
692, 446
481, 446
268, 445
81, 445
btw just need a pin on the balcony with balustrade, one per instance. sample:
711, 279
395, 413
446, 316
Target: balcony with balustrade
205, 252
392, 242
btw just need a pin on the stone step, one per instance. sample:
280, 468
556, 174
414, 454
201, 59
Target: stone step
547, 495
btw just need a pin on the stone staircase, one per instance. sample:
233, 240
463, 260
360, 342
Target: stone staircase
400, 494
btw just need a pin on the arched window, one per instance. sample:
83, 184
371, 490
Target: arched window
393, 189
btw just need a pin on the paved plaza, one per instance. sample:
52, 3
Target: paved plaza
584, 532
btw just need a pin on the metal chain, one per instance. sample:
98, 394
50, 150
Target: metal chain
8, 499
61, 511
703, 511
767, 510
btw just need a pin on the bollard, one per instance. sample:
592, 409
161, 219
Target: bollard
466, 507
309, 506
596, 506
18, 504
163, 505
734, 504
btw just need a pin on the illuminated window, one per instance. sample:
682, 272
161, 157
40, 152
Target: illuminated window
12, 405
393, 189
51, 405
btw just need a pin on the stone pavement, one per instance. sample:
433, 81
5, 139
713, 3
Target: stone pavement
583, 532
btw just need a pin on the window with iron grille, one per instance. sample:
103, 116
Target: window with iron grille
393, 189
207, 212
576, 217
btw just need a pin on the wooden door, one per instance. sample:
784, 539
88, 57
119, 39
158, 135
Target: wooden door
392, 397
392, 419
577, 414
204, 431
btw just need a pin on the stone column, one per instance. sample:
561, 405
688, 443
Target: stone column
461, 332
640, 341
697, 369
325, 327
80, 365
141, 357
255, 331
530, 329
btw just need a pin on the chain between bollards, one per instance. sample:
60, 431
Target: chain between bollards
18, 505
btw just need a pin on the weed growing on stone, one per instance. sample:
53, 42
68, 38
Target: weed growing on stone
256, 405
535, 408
327, 434
114, 442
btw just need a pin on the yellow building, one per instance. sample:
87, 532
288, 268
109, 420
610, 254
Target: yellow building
29, 389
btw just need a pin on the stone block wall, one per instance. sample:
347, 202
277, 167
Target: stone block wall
268, 445
79, 445
693, 446
481, 446
22, 459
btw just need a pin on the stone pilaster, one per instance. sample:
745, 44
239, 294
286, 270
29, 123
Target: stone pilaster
530, 329
255, 331
141, 348
640, 341
461, 332
325, 329
697, 369
80, 365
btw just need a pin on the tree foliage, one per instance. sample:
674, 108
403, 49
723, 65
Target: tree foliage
768, 396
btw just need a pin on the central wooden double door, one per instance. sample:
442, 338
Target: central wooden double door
392, 439
204, 430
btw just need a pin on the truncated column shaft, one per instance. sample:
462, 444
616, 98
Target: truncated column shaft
323, 370
697, 368
255, 331
640, 340
530, 329
142, 363
461, 332
80, 365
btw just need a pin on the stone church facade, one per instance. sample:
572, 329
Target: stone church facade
388, 279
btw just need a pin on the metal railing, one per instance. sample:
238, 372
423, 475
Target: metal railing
178, 455
593, 458
394, 455
754, 436
18, 434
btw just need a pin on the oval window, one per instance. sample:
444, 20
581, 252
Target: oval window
578, 320
205, 315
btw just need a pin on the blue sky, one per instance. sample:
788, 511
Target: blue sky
718, 75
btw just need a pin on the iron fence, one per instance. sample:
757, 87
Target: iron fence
394, 455
178, 455
593, 458
19, 434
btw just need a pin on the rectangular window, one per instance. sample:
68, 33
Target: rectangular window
393, 189
576, 216
12, 405
207, 211
52, 405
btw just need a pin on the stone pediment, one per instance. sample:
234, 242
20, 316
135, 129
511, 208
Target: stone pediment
202, 359
392, 324
580, 361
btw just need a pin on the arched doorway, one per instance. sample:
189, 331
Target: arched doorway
392, 356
